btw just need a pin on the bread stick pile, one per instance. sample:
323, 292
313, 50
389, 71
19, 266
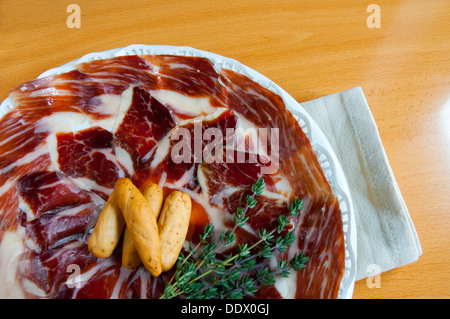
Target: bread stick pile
154, 230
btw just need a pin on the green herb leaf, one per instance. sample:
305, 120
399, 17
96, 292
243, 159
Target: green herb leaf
299, 261
207, 232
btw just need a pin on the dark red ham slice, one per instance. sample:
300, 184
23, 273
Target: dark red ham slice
88, 153
145, 123
115, 75
74, 91
72, 135
188, 75
169, 163
53, 208
228, 183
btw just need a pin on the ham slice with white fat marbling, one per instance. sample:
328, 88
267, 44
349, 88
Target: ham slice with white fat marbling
72, 135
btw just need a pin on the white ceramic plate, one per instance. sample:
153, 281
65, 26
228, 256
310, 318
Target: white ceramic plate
322, 148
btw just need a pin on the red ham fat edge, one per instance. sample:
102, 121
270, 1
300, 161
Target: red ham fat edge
71, 136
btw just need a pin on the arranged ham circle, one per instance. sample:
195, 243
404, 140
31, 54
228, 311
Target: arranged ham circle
172, 120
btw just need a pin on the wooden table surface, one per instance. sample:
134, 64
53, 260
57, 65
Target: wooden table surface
311, 49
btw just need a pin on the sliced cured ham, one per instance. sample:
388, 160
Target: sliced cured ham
145, 122
172, 120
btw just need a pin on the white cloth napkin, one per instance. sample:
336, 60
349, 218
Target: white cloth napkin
386, 236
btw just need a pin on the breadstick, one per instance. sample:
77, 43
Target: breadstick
108, 229
154, 195
173, 226
141, 222
130, 256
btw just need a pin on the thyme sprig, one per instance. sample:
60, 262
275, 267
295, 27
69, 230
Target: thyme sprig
202, 274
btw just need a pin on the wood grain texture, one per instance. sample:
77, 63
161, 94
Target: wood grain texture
311, 49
